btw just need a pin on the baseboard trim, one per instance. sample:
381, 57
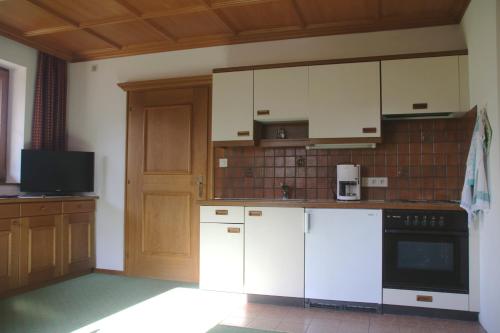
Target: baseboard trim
276, 300
108, 271
430, 312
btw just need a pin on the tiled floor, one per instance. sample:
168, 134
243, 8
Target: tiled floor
313, 320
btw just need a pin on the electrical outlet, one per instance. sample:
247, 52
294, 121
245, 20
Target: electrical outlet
222, 162
374, 182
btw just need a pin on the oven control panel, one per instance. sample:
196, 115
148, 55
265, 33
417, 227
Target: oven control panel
425, 220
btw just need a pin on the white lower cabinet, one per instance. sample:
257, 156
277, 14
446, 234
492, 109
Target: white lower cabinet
426, 299
221, 256
344, 255
274, 251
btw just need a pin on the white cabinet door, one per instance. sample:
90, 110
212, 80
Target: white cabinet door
274, 251
232, 106
280, 94
344, 255
221, 256
463, 62
344, 100
424, 85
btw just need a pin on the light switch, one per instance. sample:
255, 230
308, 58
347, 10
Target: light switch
222, 162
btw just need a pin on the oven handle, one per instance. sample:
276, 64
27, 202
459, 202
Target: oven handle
425, 232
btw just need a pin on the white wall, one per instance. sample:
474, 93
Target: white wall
96, 106
481, 28
21, 62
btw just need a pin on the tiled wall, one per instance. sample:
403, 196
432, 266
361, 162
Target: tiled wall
423, 160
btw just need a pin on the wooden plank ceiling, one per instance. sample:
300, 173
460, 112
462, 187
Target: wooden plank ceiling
79, 30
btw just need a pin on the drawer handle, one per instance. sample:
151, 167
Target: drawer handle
422, 298
419, 106
255, 213
243, 133
263, 112
42, 207
221, 212
233, 230
369, 130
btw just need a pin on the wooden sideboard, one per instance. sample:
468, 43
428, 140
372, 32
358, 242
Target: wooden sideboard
45, 239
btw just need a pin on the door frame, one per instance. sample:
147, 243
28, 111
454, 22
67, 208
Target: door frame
161, 84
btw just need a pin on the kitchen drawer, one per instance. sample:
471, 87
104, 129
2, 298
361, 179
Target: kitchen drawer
85, 206
222, 214
426, 299
9, 210
40, 208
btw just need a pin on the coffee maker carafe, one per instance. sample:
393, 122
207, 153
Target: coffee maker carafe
348, 182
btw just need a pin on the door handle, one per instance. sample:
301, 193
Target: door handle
199, 182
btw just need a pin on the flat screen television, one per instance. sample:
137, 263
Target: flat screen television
57, 172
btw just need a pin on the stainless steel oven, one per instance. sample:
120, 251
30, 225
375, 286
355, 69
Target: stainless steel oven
426, 250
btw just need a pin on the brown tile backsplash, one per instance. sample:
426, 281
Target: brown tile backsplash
423, 160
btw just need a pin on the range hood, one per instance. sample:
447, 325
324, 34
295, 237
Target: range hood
342, 146
423, 115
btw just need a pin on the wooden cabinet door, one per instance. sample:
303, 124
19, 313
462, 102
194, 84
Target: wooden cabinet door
232, 106
344, 100
423, 85
274, 251
78, 242
9, 254
40, 252
280, 94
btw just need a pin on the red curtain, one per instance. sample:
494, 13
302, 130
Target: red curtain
49, 114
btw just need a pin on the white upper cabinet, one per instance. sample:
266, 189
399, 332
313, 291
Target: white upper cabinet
280, 94
232, 106
463, 62
423, 85
344, 100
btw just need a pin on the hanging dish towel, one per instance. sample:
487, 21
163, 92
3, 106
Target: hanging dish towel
475, 194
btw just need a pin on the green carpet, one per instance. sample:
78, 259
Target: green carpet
70, 305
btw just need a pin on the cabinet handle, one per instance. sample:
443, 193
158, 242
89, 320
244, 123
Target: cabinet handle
422, 298
243, 133
263, 112
419, 106
221, 212
369, 130
233, 230
42, 207
16, 222
255, 213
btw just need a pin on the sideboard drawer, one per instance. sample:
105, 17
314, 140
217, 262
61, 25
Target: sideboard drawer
9, 210
41, 208
86, 206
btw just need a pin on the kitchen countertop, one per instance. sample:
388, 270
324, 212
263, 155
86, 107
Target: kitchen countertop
363, 204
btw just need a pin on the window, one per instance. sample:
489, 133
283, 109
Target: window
4, 103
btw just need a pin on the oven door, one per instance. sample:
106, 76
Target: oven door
433, 261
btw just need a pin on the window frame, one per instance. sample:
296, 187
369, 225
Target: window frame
4, 111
